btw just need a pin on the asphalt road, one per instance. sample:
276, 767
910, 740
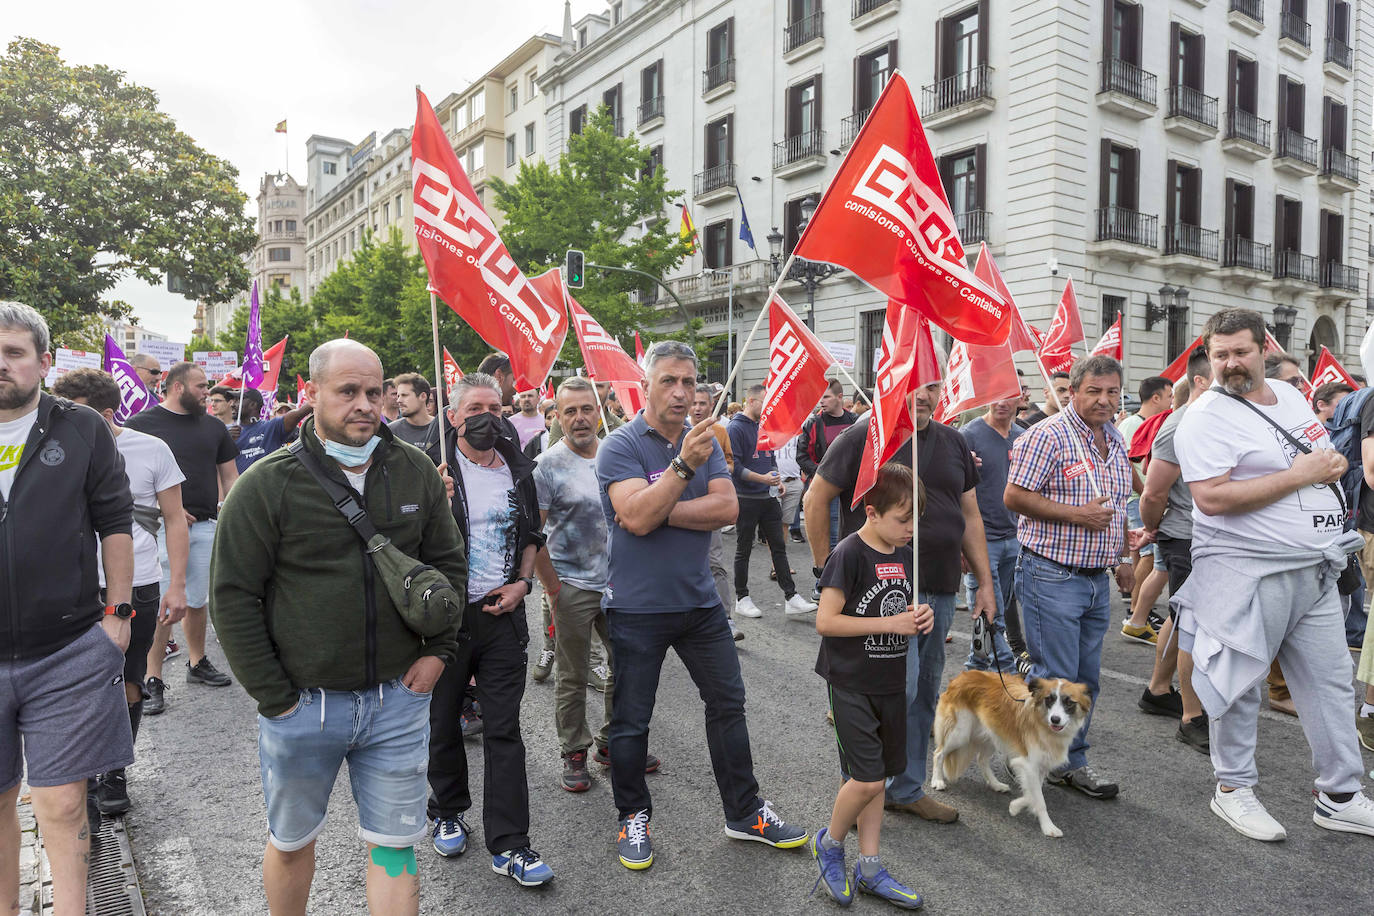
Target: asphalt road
198, 826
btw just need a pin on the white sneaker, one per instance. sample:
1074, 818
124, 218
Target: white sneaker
745, 607
798, 605
1356, 817
1243, 811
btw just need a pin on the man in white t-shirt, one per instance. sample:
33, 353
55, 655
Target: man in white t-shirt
1268, 546
155, 483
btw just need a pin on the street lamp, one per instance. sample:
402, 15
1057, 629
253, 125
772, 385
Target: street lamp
809, 274
1285, 316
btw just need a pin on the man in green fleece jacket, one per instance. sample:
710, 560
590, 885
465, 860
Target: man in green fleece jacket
311, 633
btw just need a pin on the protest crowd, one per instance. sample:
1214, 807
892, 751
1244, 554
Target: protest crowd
365, 556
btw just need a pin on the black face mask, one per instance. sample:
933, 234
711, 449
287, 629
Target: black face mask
480, 430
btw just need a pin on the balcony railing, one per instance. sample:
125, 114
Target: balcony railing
1254, 9
1294, 265
714, 178
1121, 225
650, 109
1247, 253
1293, 26
805, 29
1340, 163
1187, 102
957, 90
618, 125
864, 7
1194, 241
1294, 145
1336, 275
972, 225
850, 127
809, 143
1243, 125
1128, 79
1338, 52
718, 74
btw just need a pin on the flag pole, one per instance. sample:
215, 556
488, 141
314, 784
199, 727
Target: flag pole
858, 389
442, 398
753, 332
915, 502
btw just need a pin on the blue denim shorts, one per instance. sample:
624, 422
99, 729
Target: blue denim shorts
382, 732
201, 539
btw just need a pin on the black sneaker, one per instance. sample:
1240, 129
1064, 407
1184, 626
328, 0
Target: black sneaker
92, 810
798, 538
1024, 664
1162, 704
153, 701
1195, 734
603, 757
1085, 780
575, 775
112, 793
204, 672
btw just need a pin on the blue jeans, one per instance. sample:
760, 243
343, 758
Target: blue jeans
383, 733
1002, 555
1064, 616
925, 665
701, 638
834, 523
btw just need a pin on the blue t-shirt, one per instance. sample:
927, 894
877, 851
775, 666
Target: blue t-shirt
260, 440
995, 451
665, 570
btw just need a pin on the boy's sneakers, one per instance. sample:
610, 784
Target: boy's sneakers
603, 757
632, 842
1141, 634
833, 875
543, 666
1356, 816
523, 865
575, 776
764, 826
204, 672
172, 650
798, 605
1243, 811
888, 888
745, 607
450, 836
153, 700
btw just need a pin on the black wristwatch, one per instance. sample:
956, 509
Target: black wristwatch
529, 584
124, 610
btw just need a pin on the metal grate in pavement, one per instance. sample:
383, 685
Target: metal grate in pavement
112, 886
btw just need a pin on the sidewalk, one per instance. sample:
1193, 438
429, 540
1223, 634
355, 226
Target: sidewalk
30, 859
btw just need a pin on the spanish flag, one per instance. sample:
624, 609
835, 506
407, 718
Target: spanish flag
688, 232
281, 127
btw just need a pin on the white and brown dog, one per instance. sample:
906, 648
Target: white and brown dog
1033, 726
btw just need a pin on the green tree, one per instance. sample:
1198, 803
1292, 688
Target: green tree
96, 184
281, 316
599, 198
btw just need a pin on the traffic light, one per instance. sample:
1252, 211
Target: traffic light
572, 268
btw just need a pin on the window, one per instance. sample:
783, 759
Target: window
280, 281
529, 139
399, 211
291, 225
1240, 210
312, 262
1334, 122
581, 38
512, 97
617, 13
1330, 244
479, 106
1123, 32
1287, 224
611, 99
1112, 308
510, 150
791, 224
329, 168
577, 120
279, 254
1120, 176
720, 43
1183, 194
804, 108
477, 157
1242, 92
961, 43
871, 71
720, 148
717, 249
870, 341
1186, 58
460, 117
961, 174
531, 84
386, 214
1292, 100
654, 161
651, 92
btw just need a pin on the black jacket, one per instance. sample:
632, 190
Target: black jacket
528, 529
811, 449
69, 490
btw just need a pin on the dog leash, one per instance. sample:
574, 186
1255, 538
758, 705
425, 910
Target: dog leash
982, 631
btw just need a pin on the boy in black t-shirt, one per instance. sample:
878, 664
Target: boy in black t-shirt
865, 620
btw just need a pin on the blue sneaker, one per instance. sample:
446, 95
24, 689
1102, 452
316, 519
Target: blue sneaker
524, 865
766, 827
888, 888
632, 842
450, 836
834, 875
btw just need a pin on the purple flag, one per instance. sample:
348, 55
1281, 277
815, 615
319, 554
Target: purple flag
133, 396
252, 348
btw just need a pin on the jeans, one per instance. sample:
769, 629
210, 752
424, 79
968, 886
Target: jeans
1356, 616
716, 560
579, 616
764, 513
791, 504
1065, 617
1002, 555
925, 665
701, 638
834, 523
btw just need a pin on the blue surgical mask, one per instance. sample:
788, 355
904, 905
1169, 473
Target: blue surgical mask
350, 456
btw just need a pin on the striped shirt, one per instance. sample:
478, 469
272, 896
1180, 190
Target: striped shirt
1046, 461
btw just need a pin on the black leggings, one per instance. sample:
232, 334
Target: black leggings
765, 514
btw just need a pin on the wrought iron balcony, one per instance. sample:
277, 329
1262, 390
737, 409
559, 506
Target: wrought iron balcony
1244, 125
1340, 163
1247, 253
1338, 52
864, 7
618, 125
850, 127
714, 178
956, 90
1251, 8
805, 29
1128, 79
718, 74
1293, 26
1294, 265
809, 143
1187, 102
972, 225
1336, 275
650, 109
1294, 145
1193, 241
1131, 226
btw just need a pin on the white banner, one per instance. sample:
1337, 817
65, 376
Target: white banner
216, 363
842, 353
66, 360
167, 352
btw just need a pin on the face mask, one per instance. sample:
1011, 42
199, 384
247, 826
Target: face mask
350, 456
480, 431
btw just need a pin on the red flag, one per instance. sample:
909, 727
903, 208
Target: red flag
1067, 327
1329, 369
885, 217
1179, 367
300, 388
639, 351
605, 359
271, 369
451, 371
1023, 336
631, 396
469, 266
547, 393
1110, 344
975, 377
1271, 343
906, 361
797, 362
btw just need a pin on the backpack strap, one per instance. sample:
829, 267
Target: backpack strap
342, 496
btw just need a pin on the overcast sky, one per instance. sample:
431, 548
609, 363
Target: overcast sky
229, 72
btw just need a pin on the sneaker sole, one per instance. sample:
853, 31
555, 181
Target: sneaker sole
540, 678
1329, 822
501, 870
1221, 813
1143, 640
579, 788
899, 902
633, 865
785, 844
118, 809
1100, 796
1151, 709
450, 855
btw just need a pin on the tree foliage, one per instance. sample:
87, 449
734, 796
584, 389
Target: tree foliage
96, 183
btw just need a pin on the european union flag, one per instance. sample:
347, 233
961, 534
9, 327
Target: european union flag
745, 235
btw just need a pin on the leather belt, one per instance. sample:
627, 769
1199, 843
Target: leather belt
1079, 570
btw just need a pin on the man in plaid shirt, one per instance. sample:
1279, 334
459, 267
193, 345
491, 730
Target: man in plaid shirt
1069, 481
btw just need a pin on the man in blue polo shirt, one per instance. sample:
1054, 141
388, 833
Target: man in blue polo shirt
665, 488
261, 438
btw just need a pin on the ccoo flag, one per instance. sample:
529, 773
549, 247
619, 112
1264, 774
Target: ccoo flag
1023, 335
1179, 367
797, 362
469, 266
1329, 369
133, 395
1110, 344
1056, 353
605, 358
451, 372
885, 217
975, 377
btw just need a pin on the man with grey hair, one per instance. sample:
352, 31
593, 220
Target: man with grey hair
664, 489
61, 647
1069, 481
150, 373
